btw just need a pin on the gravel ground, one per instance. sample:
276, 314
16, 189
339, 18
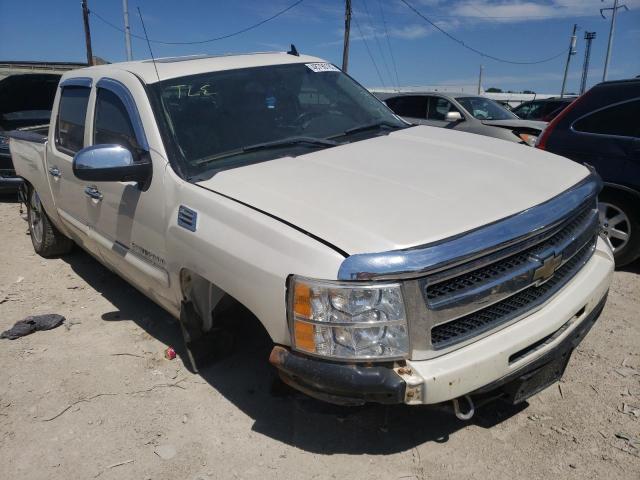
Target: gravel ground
97, 398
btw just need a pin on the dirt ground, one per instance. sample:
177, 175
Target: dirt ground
96, 398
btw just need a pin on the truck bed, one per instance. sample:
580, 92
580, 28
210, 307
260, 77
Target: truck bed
28, 148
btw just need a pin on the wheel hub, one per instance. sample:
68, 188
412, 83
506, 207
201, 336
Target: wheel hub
35, 217
615, 225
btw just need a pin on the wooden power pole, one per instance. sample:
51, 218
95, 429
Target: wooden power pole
87, 32
347, 30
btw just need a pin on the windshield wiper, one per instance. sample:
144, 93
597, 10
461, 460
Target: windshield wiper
369, 126
309, 141
291, 141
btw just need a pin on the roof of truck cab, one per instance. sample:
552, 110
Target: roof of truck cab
174, 67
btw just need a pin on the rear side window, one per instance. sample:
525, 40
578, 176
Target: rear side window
112, 123
409, 106
71, 118
621, 120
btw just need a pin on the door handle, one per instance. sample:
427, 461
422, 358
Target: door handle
93, 192
54, 172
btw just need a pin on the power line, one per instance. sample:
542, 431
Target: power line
366, 44
475, 50
198, 42
386, 32
515, 17
375, 36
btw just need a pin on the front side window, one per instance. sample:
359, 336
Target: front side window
485, 109
69, 133
220, 120
620, 120
439, 107
112, 123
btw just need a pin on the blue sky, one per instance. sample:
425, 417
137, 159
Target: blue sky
522, 30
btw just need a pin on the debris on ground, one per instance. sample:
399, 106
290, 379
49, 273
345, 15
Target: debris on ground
169, 353
32, 324
630, 410
631, 445
626, 372
165, 452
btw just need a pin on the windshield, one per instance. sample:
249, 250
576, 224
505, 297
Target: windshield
485, 108
231, 118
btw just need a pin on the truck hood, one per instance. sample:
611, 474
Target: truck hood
516, 123
411, 187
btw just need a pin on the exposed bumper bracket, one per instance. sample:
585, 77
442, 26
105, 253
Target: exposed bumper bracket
338, 383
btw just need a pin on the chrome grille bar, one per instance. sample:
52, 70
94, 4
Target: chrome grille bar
522, 303
476, 288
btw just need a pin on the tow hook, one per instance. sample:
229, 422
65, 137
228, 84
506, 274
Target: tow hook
459, 414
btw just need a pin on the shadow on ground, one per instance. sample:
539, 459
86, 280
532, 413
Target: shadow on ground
8, 197
633, 267
246, 379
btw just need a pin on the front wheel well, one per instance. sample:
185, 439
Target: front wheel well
215, 307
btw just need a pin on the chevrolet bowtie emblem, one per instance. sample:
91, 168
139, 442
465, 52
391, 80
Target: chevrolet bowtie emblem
547, 269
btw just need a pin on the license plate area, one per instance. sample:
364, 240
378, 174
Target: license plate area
538, 379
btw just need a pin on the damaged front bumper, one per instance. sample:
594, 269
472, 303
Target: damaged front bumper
352, 384
503, 363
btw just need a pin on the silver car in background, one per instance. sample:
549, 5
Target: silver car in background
464, 112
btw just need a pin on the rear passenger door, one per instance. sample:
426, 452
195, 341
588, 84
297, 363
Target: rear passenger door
413, 108
68, 138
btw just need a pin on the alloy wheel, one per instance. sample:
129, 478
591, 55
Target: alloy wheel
615, 225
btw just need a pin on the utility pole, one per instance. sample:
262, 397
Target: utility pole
347, 30
480, 80
572, 51
87, 32
611, 29
127, 30
588, 36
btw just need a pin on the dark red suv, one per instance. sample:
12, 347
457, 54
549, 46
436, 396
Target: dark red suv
602, 129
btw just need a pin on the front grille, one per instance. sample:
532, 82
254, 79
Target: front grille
458, 285
476, 323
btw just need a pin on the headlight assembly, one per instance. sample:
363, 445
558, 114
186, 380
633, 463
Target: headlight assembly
348, 321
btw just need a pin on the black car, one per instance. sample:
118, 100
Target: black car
544, 109
25, 100
602, 129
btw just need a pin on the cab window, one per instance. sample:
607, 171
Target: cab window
69, 132
112, 123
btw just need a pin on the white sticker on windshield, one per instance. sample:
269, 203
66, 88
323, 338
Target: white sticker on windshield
322, 67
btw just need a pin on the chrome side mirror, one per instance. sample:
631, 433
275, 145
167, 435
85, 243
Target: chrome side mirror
112, 163
453, 117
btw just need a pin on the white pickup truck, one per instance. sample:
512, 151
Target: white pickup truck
388, 263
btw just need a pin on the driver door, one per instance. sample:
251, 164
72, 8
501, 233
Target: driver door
128, 224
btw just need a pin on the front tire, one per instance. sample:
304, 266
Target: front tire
46, 238
620, 222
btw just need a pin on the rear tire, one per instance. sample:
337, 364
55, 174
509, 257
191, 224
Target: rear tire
620, 222
46, 238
